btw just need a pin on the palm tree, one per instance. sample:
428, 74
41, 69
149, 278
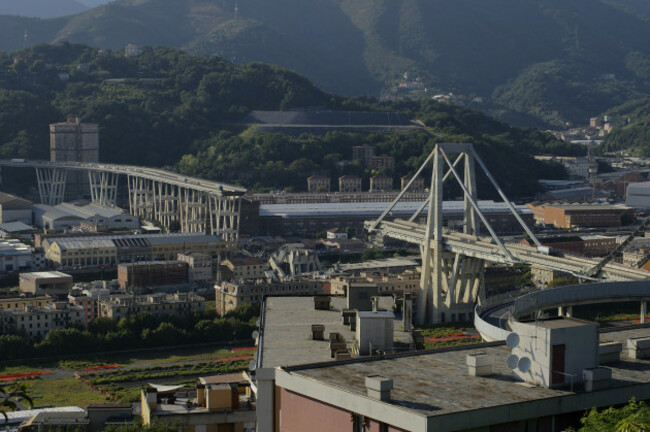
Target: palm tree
10, 395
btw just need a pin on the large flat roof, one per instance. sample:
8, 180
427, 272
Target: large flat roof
374, 209
435, 383
287, 330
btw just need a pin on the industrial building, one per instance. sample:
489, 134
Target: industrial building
115, 249
15, 209
310, 219
638, 195
65, 216
577, 215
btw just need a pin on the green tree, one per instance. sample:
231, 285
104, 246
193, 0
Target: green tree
633, 417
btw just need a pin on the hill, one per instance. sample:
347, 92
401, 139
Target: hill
535, 62
166, 107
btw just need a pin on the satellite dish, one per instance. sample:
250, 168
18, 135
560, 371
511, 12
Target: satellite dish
524, 364
252, 366
512, 361
512, 340
255, 334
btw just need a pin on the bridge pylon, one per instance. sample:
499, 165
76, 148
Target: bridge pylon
451, 282
51, 185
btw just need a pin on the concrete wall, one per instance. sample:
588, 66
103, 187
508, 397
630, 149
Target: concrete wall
536, 343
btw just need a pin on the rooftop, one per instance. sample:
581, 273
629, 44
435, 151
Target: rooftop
287, 330
448, 388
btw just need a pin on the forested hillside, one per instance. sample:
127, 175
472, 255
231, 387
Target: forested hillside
165, 107
534, 62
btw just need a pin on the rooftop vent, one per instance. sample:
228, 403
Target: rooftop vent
321, 303
479, 364
317, 331
379, 387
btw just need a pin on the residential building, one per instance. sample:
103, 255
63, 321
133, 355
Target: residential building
152, 274
35, 322
159, 305
381, 183
200, 269
383, 161
386, 283
469, 388
73, 141
318, 183
306, 330
218, 403
20, 303
15, 209
363, 153
416, 186
53, 283
230, 295
349, 184
244, 268
86, 302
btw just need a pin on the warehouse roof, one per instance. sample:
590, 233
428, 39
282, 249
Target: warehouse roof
373, 209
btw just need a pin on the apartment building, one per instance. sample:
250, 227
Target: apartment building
159, 305
35, 322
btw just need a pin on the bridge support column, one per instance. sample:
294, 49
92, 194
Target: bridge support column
644, 312
103, 188
51, 185
565, 311
224, 214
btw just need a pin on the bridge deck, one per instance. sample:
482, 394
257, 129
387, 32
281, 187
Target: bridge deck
484, 248
156, 174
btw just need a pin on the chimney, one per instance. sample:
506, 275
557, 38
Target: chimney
379, 387
375, 303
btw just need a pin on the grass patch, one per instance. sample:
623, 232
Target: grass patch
448, 335
63, 392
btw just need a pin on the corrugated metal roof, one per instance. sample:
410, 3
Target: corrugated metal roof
373, 209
